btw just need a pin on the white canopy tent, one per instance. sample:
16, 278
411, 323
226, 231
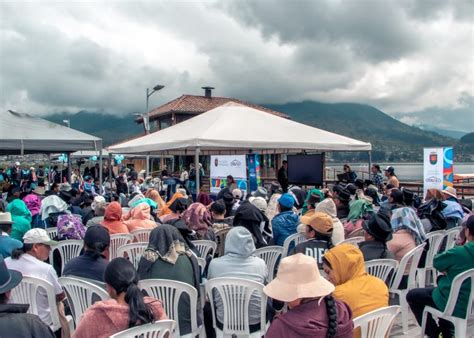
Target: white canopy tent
25, 134
236, 128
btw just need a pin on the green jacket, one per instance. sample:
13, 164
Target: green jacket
452, 263
21, 218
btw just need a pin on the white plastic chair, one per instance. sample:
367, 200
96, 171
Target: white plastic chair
141, 235
451, 236
270, 254
382, 268
169, 293
202, 263
68, 250
116, 241
353, 240
81, 295
134, 251
293, 239
26, 293
434, 239
412, 257
377, 323
205, 247
236, 294
158, 329
460, 324
52, 232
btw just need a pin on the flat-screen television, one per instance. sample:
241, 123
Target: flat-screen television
305, 169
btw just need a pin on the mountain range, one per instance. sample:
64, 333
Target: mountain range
391, 139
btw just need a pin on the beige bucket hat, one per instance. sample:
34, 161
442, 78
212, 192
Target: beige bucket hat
298, 277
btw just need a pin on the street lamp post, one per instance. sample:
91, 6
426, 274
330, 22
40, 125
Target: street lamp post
149, 93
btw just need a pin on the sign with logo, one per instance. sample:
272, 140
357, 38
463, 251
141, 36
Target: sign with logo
437, 168
224, 165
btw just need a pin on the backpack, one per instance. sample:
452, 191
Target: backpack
70, 227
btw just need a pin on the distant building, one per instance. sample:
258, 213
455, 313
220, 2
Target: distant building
187, 106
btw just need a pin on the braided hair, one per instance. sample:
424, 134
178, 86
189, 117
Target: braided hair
332, 316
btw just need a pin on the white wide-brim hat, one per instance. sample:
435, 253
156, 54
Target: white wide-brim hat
298, 277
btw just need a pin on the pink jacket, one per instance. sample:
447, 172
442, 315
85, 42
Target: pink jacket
401, 243
33, 203
106, 318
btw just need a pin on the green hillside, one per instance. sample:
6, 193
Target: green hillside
392, 140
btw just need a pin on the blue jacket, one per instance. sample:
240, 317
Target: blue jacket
283, 225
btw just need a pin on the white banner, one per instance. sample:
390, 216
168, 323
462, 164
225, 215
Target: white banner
432, 169
224, 165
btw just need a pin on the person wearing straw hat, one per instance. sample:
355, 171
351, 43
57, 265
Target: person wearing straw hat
14, 321
453, 211
313, 312
345, 268
7, 244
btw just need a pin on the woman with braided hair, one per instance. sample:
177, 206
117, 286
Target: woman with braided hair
313, 312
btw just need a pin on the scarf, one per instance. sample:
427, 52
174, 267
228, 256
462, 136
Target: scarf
155, 196
358, 208
406, 218
167, 244
52, 204
198, 218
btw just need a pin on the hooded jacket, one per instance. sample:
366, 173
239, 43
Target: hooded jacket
284, 225
361, 291
452, 263
33, 203
113, 219
140, 218
21, 218
238, 261
329, 207
311, 320
15, 322
107, 317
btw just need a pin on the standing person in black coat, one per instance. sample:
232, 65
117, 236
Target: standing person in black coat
14, 321
283, 176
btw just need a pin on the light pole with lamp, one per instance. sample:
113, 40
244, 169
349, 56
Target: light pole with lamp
146, 119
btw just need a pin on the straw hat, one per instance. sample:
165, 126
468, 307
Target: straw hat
6, 218
451, 192
298, 277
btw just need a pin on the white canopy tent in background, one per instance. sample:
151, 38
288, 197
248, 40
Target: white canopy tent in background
25, 134
236, 128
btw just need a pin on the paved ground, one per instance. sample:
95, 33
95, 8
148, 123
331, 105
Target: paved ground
414, 331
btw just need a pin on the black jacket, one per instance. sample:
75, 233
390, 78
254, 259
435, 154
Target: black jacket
16, 323
375, 250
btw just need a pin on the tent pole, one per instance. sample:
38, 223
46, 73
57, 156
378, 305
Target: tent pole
100, 166
147, 166
110, 170
198, 170
49, 171
69, 167
370, 162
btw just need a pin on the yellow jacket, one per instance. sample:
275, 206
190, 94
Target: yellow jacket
361, 291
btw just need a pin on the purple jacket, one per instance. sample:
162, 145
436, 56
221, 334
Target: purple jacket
311, 320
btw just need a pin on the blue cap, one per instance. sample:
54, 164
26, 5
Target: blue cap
286, 200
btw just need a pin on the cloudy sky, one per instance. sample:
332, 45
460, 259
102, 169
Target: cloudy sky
411, 57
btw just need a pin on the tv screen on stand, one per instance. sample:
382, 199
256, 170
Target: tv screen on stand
305, 169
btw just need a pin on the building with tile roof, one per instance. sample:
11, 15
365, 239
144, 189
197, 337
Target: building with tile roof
187, 106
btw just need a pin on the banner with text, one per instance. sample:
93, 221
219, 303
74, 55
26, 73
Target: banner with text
224, 165
437, 168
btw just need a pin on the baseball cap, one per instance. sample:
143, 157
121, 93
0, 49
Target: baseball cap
320, 222
38, 236
390, 169
259, 202
286, 200
237, 193
97, 234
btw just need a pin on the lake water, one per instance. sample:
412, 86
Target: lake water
404, 171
